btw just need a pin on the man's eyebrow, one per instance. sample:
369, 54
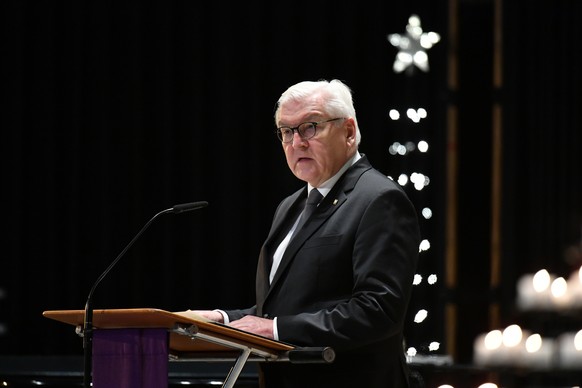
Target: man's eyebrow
310, 119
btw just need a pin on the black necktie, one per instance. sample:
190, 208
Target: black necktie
310, 205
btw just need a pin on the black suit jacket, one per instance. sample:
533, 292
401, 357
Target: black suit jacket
344, 281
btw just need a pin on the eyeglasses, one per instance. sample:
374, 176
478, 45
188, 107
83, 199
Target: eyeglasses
306, 130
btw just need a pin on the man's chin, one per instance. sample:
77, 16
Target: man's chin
300, 174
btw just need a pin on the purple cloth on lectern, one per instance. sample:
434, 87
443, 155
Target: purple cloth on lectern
130, 358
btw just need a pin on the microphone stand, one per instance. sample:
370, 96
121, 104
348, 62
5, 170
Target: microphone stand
88, 320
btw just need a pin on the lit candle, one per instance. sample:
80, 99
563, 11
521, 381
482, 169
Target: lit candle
533, 291
560, 295
538, 353
486, 347
575, 289
512, 343
570, 350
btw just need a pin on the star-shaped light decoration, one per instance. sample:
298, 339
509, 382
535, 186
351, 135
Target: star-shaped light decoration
412, 46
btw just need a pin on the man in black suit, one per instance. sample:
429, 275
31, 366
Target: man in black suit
342, 276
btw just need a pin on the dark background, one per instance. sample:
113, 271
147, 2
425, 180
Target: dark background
114, 111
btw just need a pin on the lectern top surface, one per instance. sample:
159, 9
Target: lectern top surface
156, 318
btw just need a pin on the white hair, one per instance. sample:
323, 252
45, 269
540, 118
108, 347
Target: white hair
336, 94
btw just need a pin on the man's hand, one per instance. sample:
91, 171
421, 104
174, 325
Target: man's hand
255, 325
207, 314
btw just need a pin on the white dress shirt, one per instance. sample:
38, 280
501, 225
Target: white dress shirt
324, 189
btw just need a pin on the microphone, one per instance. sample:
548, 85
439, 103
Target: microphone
88, 321
186, 207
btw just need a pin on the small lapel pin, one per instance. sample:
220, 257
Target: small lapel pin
335, 201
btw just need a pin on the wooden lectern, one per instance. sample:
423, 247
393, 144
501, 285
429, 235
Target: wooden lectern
197, 339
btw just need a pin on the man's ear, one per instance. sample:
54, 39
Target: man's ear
350, 126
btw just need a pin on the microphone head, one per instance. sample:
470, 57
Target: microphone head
186, 207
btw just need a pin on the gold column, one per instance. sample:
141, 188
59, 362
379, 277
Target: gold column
451, 182
496, 161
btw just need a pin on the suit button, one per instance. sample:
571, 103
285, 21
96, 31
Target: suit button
266, 316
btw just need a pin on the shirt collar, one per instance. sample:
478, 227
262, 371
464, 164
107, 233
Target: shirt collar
326, 186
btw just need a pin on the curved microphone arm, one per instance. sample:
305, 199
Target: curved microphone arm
88, 320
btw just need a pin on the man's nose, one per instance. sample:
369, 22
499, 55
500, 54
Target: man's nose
298, 141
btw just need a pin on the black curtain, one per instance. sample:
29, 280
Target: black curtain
542, 139
541, 199
542, 206
471, 296
115, 111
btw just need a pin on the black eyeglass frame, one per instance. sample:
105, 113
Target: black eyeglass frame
296, 129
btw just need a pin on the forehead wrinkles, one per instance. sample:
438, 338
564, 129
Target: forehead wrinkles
297, 111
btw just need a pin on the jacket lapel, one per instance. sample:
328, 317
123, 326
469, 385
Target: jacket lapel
332, 201
281, 224
286, 210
